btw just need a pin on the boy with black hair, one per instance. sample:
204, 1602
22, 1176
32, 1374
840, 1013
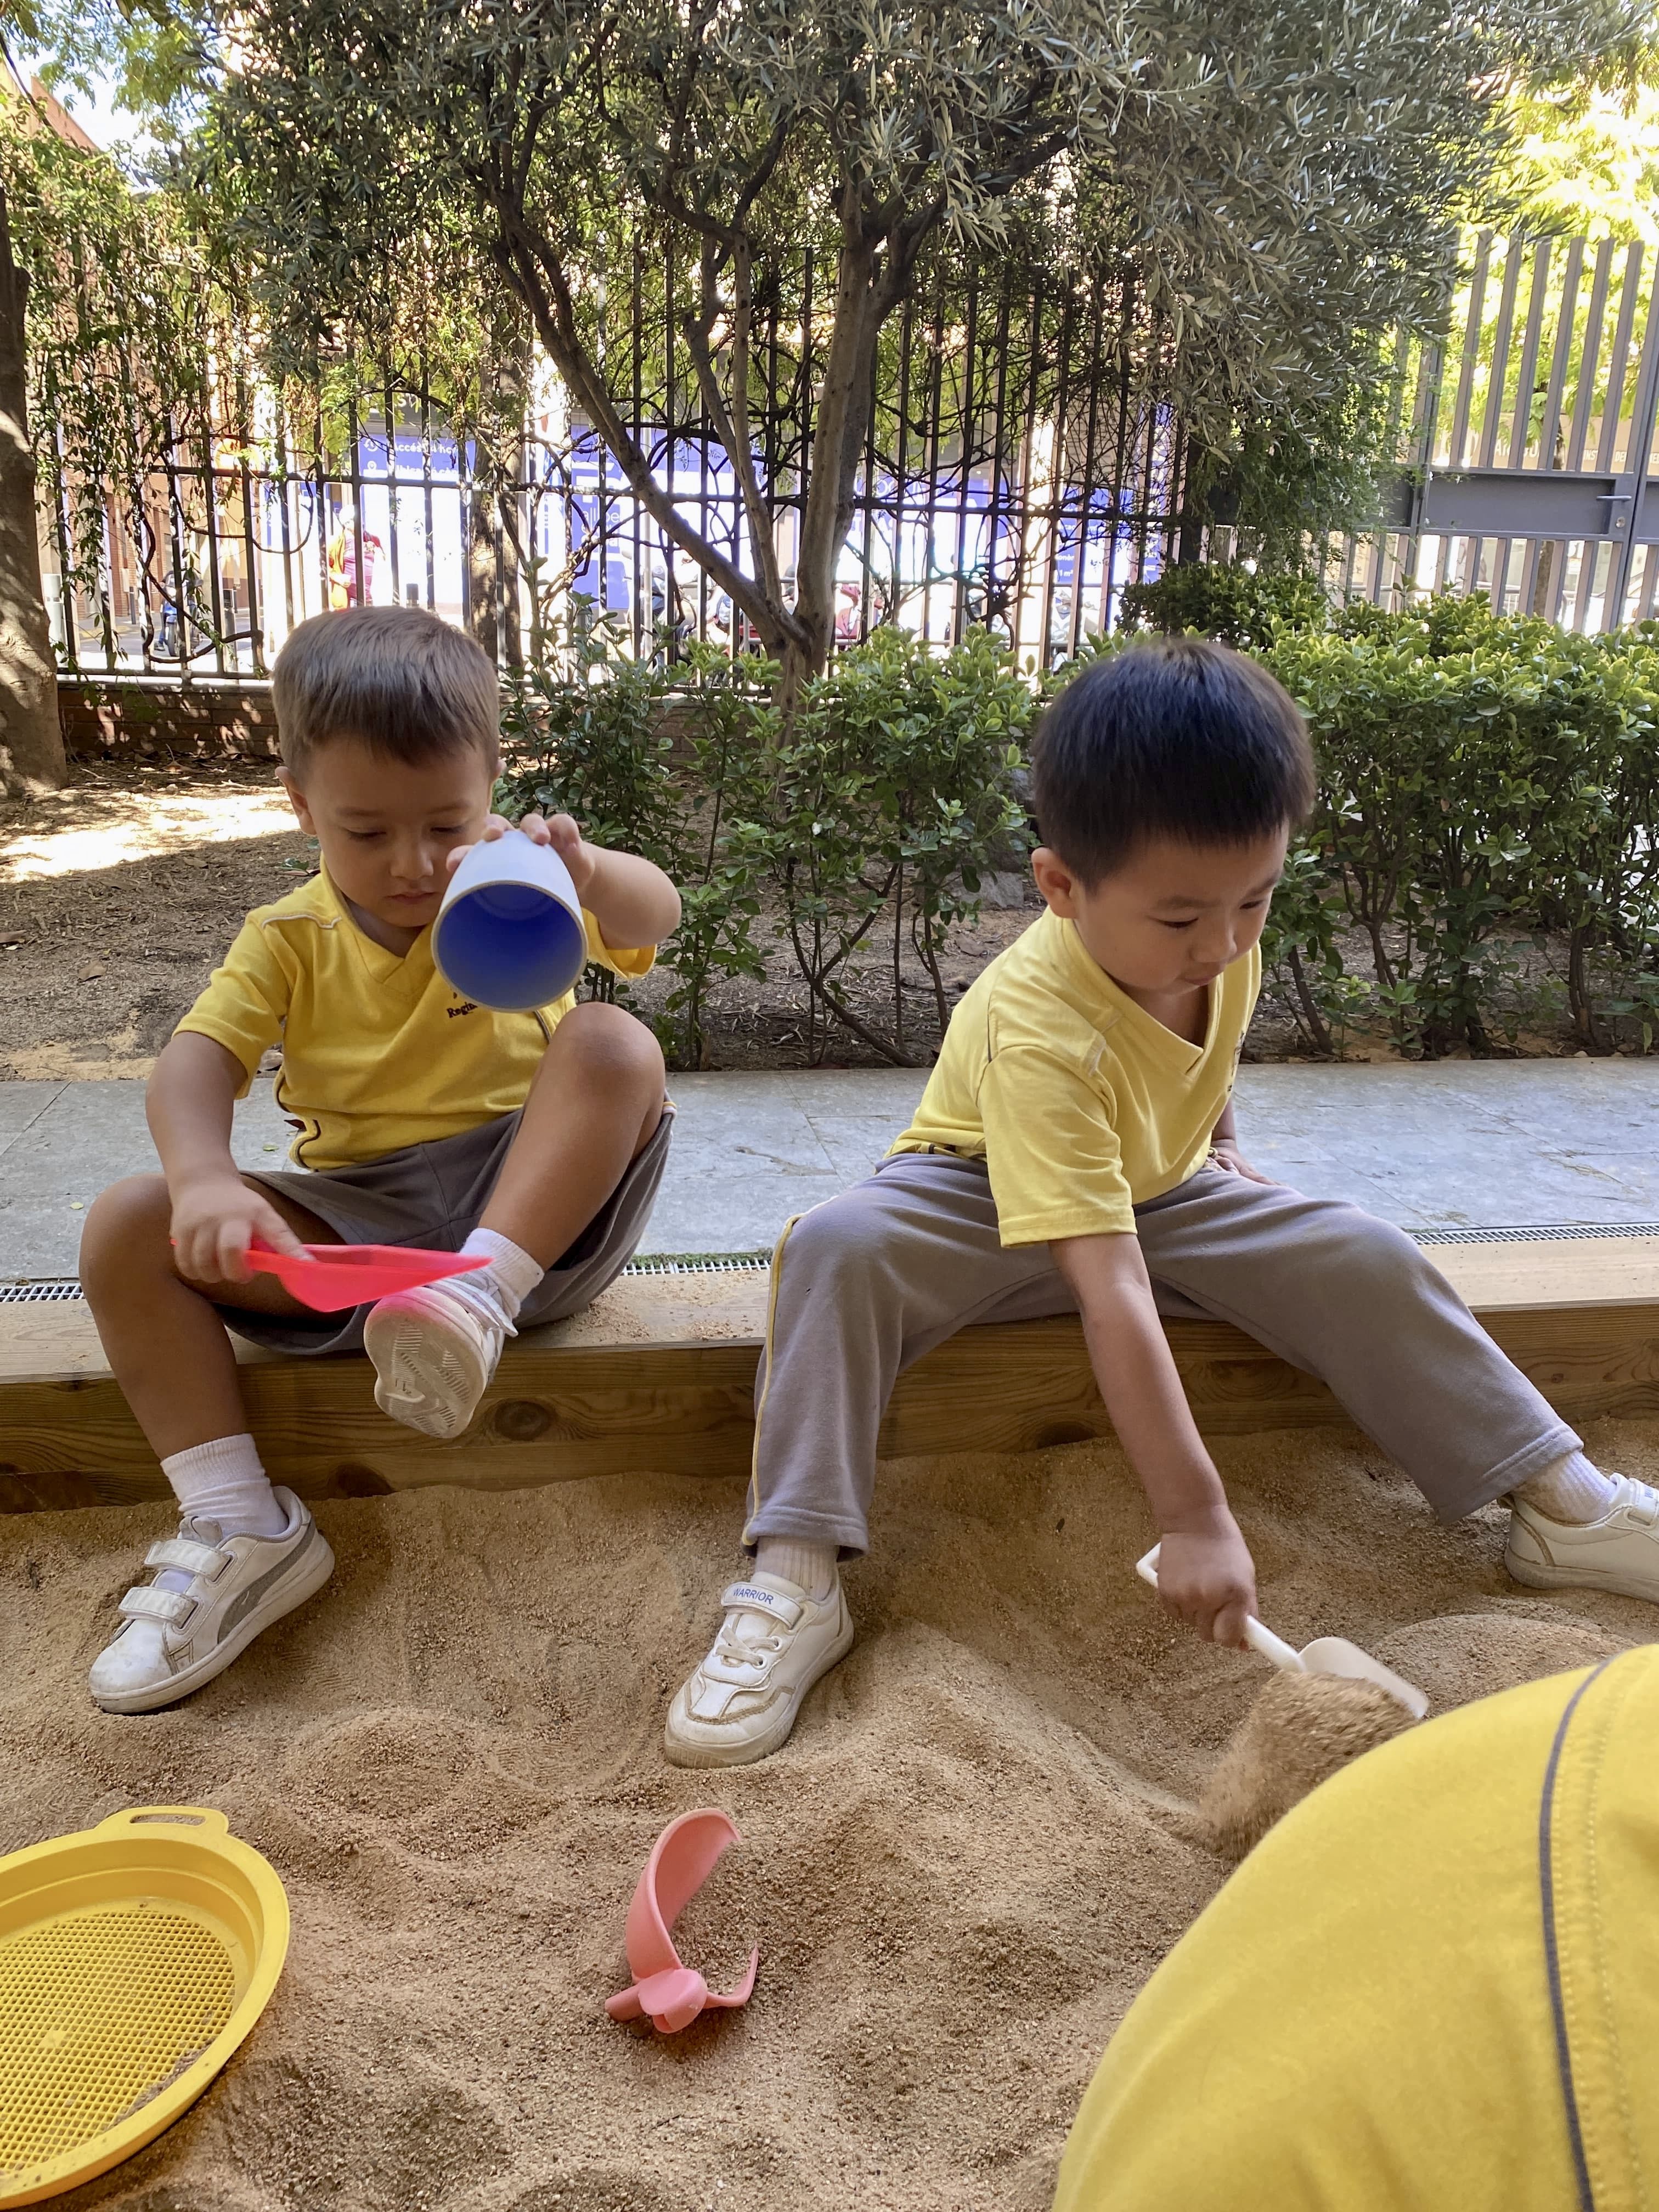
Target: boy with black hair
534, 1141
1075, 1151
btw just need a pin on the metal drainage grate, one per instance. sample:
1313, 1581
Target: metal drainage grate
1531, 1236
658, 1263
753, 1263
700, 1263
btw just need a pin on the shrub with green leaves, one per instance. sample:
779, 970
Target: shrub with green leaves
1483, 780
1487, 782
1227, 600
894, 787
861, 825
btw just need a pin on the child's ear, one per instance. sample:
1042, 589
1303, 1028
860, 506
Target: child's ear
1055, 881
297, 799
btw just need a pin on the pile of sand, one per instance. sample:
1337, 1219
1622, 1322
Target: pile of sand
974, 1851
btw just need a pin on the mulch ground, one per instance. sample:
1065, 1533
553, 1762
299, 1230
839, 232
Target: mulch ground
98, 961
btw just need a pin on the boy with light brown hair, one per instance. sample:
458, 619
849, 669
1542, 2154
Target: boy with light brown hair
535, 1141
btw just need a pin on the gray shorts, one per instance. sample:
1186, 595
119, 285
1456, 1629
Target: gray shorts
433, 1195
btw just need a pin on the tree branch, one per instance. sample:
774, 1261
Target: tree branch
534, 273
732, 425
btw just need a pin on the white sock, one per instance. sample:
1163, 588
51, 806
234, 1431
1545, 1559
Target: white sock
222, 1481
1572, 1490
810, 1567
504, 1285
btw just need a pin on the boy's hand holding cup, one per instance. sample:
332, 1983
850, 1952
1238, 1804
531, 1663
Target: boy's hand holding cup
511, 933
561, 833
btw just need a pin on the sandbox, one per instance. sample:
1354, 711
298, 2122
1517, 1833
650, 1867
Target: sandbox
972, 1853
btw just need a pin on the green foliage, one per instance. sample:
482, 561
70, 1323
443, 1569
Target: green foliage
1485, 780
1230, 600
116, 277
863, 827
893, 787
602, 744
155, 57
1284, 187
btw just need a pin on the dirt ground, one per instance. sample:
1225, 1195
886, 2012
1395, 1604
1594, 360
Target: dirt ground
118, 895
973, 1852
116, 899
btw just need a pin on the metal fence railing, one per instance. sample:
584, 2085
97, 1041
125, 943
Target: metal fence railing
1525, 441
1021, 469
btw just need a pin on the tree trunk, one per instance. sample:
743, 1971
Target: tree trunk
483, 597
838, 434
31, 738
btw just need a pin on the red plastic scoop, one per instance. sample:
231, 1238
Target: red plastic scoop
331, 1277
682, 1859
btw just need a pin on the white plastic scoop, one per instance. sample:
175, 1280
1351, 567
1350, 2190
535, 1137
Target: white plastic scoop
1326, 1655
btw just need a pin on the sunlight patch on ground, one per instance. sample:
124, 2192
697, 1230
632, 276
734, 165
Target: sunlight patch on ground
98, 829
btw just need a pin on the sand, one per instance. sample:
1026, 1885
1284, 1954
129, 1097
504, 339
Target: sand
977, 1847
1299, 1732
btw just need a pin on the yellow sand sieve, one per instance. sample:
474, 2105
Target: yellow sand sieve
134, 1958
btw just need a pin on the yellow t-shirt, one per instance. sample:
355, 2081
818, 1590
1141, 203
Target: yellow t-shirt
378, 1051
1433, 1987
1081, 1105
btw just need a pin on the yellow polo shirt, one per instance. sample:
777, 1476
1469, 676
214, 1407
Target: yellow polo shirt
379, 1052
1082, 1106
1433, 1987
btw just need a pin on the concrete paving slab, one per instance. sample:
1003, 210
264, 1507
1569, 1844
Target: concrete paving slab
22, 1104
89, 1135
1464, 1143
1460, 1145
750, 1150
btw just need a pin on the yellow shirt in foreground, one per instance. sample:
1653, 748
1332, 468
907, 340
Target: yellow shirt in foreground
1082, 1106
378, 1051
1433, 1987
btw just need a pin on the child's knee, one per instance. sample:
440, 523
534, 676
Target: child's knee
1374, 1257
125, 1231
843, 1237
613, 1049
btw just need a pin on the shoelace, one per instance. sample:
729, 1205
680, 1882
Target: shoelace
759, 1654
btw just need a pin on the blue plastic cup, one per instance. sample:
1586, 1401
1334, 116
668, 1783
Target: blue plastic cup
509, 934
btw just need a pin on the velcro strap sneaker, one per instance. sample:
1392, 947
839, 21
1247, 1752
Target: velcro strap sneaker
761, 1597
774, 1643
148, 1604
173, 1641
1618, 1552
187, 1555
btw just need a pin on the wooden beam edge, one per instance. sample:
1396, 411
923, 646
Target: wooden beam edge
558, 1413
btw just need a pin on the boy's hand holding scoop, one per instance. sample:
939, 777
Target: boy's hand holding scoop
1207, 1579
1326, 1704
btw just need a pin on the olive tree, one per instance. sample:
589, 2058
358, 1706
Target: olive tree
1288, 180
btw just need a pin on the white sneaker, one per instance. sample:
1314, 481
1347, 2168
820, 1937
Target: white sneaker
433, 1356
741, 1702
173, 1641
1618, 1552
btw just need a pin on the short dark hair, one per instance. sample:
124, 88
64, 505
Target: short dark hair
406, 684
1177, 737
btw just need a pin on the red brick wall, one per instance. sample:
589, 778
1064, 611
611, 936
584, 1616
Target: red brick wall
200, 721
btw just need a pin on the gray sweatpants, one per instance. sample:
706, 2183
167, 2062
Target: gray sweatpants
869, 1281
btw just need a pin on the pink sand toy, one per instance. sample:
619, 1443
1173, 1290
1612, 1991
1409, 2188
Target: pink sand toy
330, 1277
682, 1859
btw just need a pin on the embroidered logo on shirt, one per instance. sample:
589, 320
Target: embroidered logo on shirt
466, 1006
